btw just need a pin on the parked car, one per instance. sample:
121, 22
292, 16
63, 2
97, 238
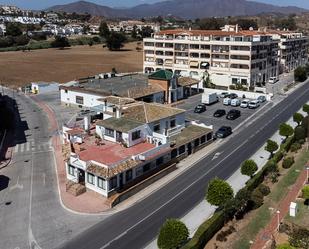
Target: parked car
235, 102
244, 103
223, 132
261, 99
254, 104
219, 113
233, 96
200, 108
233, 114
226, 101
224, 95
273, 80
210, 98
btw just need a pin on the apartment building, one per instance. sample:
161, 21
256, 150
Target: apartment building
133, 141
228, 56
293, 50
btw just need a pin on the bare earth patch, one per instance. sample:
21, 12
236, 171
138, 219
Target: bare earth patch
20, 68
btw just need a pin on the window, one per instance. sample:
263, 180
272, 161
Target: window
136, 135
209, 136
203, 139
182, 149
173, 123
159, 161
156, 127
71, 170
139, 171
101, 183
244, 81
79, 100
174, 153
196, 142
113, 182
109, 132
90, 178
129, 175
146, 167
234, 80
66, 91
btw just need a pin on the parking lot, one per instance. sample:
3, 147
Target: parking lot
207, 116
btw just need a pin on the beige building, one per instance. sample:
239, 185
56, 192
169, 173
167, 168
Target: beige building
229, 56
293, 50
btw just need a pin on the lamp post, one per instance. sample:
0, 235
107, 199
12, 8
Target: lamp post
307, 170
278, 219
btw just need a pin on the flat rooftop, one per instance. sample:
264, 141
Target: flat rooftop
109, 153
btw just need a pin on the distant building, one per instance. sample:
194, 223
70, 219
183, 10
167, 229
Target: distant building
2, 29
44, 87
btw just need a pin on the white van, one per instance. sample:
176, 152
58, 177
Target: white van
226, 101
254, 104
235, 102
273, 80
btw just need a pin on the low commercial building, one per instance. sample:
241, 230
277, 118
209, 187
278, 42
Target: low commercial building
125, 147
229, 56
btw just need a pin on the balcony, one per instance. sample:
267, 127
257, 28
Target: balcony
175, 130
76, 162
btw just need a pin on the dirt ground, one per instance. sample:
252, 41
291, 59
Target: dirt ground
20, 68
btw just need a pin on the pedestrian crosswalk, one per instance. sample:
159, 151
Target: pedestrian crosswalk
33, 146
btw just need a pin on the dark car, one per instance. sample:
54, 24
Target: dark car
223, 132
200, 108
219, 113
233, 114
233, 96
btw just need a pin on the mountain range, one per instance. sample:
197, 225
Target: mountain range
187, 9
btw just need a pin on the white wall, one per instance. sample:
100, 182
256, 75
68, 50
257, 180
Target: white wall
44, 88
90, 100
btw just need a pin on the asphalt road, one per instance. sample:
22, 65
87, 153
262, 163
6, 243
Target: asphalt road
138, 225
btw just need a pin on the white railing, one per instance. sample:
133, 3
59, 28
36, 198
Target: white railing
174, 131
75, 161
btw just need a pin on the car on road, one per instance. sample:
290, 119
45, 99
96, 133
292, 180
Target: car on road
254, 104
223, 132
226, 101
224, 95
235, 102
261, 99
200, 108
233, 114
219, 113
233, 96
244, 103
273, 80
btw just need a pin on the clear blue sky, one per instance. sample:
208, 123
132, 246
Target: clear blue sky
41, 4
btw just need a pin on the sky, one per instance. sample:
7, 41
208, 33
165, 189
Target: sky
42, 4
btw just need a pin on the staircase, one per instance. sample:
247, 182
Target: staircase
75, 188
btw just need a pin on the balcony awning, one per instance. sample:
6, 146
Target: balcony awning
204, 64
168, 61
194, 63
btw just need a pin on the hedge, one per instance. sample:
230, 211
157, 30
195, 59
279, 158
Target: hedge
206, 231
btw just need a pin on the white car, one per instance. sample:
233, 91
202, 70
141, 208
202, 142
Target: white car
244, 103
226, 101
235, 102
273, 80
254, 104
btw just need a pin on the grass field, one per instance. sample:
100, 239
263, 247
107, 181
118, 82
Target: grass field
20, 68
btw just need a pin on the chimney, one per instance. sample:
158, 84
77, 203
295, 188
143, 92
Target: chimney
118, 112
86, 123
237, 28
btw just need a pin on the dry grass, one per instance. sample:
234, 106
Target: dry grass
20, 68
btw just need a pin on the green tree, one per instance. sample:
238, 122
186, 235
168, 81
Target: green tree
298, 118
285, 130
271, 147
21, 40
306, 108
13, 29
300, 74
60, 42
299, 133
115, 41
285, 246
104, 30
134, 32
173, 234
218, 192
146, 32
305, 192
248, 168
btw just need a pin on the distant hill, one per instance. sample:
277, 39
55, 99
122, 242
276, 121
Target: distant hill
188, 9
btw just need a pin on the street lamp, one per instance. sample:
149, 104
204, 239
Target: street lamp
278, 219
307, 169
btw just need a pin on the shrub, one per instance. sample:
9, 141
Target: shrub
298, 118
173, 234
223, 234
285, 246
21, 40
271, 167
306, 108
301, 141
300, 74
295, 147
299, 238
265, 190
232, 87
278, 156
274, 177
256, 199
206, 231
299, 133
287, 162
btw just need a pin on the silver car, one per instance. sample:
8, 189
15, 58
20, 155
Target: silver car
261, 99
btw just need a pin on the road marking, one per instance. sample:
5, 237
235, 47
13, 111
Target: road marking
17, 185
27, 146
44, 179
16, 148
216, 156
22, 147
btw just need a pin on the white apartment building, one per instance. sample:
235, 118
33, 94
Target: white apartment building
293, 49
228, 56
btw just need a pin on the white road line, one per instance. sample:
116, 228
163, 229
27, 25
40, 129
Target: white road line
27, 146
16, 148
22, 148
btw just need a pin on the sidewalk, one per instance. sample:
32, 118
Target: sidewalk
6, 151
263, 236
